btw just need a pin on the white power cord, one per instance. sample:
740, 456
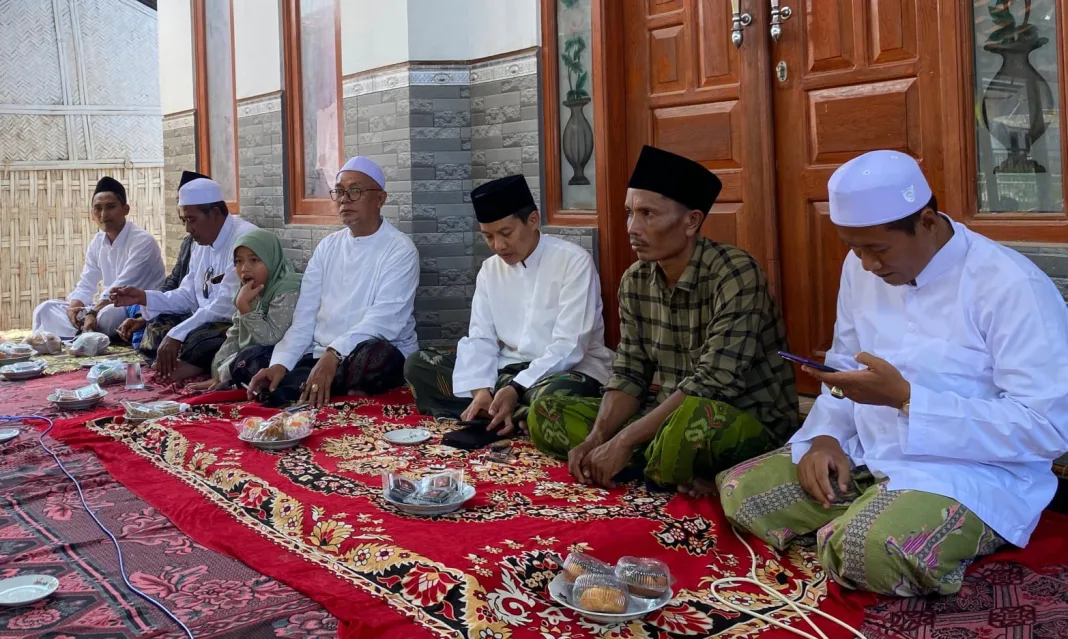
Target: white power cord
799, 608
122, 567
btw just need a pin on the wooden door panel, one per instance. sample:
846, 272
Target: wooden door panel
668, 62
847, 121
714, 44
859, 71
656, 7
674, 129
722, 222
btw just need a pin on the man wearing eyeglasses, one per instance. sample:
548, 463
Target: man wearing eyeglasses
354, 324
206, 293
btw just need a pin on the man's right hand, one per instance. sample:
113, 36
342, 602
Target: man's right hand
479, 406
578, 459
814, 470
73, 308
130, 326
128, 296
267, 379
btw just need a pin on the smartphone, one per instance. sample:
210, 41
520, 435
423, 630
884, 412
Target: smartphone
823, 368
474, 423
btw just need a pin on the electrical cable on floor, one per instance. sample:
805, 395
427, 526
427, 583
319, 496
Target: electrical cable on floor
81, 495
751, 578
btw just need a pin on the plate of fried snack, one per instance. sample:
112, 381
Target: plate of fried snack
137, 412
23, 370
631, 589
15, 353
430, 496
78, 398
284, 430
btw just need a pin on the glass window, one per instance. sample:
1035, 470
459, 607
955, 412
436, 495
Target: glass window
319, 92
222, 151
575, 92
1018, 112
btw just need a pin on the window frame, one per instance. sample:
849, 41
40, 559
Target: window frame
552, 189
302, 210
201, 99
961, 140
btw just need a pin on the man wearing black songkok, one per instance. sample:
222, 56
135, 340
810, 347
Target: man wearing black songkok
697, 314
120, 254
536, 324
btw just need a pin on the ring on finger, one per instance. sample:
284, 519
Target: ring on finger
315, 388
837, 393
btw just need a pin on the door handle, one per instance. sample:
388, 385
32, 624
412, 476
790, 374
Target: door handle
739, 21
779, 15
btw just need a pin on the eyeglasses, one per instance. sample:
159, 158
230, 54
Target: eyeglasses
208, 275
354, 193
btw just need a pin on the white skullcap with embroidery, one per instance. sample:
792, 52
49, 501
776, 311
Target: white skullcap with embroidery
200, 191
877, 188
366, 166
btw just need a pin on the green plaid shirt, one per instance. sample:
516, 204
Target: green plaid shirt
716, 335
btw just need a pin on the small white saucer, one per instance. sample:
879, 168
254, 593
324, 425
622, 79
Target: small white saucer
7, 434
26, 589
407, 436
637, 607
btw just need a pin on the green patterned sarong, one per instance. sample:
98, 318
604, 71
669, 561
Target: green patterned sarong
429, 375
893, 542
700, 438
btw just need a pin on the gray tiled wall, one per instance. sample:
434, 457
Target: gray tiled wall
179, 151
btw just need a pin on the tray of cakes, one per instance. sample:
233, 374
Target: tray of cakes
78, 398
138, 412
631, 589
282, 431
23, 370
15, 353
433, 495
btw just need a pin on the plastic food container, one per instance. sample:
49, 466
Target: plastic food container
578, 564
600, 593
649, 578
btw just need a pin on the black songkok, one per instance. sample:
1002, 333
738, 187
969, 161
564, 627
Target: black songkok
189, 176
498, 199
675, 177
109, 184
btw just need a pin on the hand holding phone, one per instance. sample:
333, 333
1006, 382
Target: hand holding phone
823, 368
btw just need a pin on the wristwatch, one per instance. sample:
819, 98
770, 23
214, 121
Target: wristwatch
519, 389
333, 351
92, 312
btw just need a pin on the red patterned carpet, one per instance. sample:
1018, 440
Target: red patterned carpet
312, 519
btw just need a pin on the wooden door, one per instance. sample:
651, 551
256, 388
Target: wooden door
690, 91
859, 75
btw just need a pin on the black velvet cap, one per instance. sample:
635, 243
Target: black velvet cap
189, 176
108, 184
675, 177
498, 199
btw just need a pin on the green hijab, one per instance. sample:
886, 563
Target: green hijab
281, 276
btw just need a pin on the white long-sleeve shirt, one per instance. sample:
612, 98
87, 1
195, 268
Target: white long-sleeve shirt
133, 259
355, 289
214, 260
982, 338
545, 311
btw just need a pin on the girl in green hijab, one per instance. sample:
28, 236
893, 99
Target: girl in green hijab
269, 290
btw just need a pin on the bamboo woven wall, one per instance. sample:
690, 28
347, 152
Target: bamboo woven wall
45, 228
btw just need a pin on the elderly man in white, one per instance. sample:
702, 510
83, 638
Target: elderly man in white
120, 254
205, 298
354, 323
932, 443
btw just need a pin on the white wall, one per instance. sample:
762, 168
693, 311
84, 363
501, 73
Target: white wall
175, 56
374, 33
470, 29
257, 47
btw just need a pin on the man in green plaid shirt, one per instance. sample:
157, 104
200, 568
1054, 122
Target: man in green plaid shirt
698, 315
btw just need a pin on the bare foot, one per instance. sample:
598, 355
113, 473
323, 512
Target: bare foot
699, 488
184, 371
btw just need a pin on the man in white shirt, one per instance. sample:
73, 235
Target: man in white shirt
120, 254
206, 293
536, 326
933, 445
354, 323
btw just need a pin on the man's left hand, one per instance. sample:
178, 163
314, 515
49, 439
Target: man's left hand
501, 410
89, 324
167, 357
608, 460
879, 384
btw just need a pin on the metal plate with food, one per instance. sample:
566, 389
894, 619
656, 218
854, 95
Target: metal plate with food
466, 492
23, 370
279, 432
637, 607
80, 399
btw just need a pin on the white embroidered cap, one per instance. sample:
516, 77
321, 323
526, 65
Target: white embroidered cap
366, 166
200, 191
877, 188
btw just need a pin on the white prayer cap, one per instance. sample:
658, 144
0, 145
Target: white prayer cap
200, 191
366, 166
877, 188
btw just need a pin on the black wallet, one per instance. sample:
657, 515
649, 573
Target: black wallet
471, 437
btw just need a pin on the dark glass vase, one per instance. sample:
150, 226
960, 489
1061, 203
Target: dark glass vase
577, 141
1014, 103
